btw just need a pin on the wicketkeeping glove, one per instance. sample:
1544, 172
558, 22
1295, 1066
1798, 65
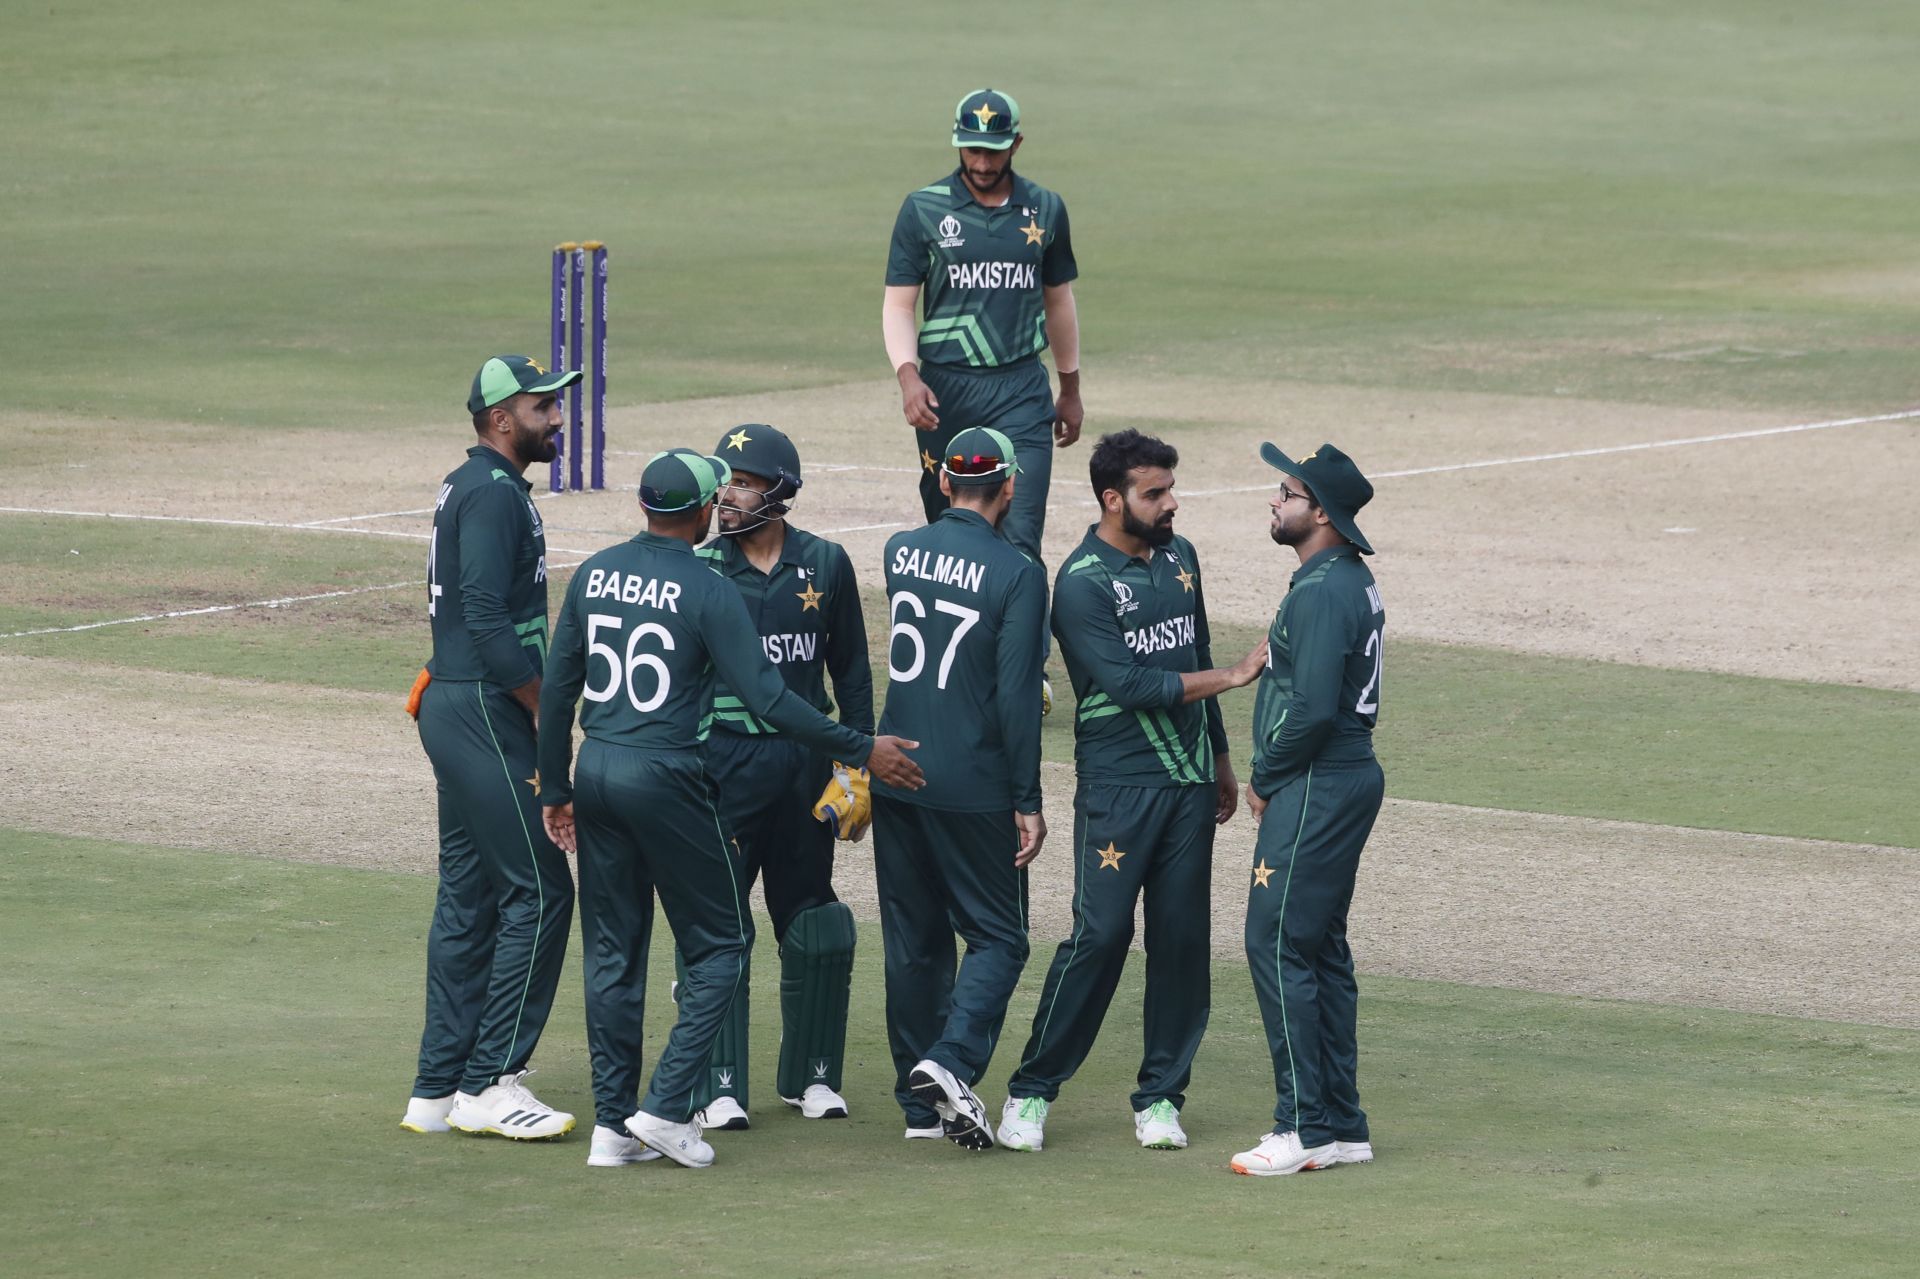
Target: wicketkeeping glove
847, 803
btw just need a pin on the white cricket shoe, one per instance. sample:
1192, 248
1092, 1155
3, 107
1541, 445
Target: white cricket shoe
963, 1117
926, 1134
1352, 1152
427, 1114
722, 1114
612, 1149
1158, 1127
678, 1142
508, 1108
819, 1102
1023, 1123
1280, 1153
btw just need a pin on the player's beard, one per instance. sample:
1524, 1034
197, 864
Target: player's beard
734, 518
992, 184
1158, 533
536, 442
1285, 533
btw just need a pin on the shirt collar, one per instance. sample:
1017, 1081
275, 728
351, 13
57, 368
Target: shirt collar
971, 517
1112, 556
734, 560
963, 194
502, 462
658, 542
1318, 558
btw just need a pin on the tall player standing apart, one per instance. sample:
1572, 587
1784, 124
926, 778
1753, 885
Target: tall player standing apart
645, 628
990, 255
1150, 753
967, 613
805, 604
1315, 790
505, 902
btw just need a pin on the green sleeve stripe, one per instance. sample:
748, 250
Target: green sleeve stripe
1098, 712
1094, 699
1088, 561
934, 190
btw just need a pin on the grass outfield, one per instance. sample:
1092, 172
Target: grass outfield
218, 1048
324, 217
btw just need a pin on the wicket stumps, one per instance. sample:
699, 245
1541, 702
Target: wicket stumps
570, 467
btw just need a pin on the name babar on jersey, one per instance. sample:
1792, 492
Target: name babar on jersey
633, 588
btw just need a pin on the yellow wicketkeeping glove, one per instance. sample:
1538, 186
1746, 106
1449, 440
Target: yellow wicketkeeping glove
847, 803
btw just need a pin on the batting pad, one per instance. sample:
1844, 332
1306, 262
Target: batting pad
816, 974
726, 1073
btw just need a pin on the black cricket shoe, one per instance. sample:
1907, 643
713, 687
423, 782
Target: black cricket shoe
963, 1117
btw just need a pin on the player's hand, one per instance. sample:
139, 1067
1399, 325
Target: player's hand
558, 819
1255, 804
1248, 668
889, 762
1228, 788
917, 400
1068, 414
1033, 833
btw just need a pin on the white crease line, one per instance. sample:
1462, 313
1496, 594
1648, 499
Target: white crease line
226, 523
355, 519
861, 528
1599, 452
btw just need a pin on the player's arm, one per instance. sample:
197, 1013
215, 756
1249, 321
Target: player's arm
732, 643
1020, 660
847, 646
1058, 270
493, 521
1226, 785
907, 264
1319, 641
559, 694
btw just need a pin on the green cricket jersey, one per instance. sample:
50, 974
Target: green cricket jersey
982, 270
968, 616
487, 575
807, 613
1319, 697
1128, 628
645, 629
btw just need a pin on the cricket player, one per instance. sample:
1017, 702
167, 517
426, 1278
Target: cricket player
989, 257
805, 604
967, 612
645, 628
1315, 777
1154, 779
505, 903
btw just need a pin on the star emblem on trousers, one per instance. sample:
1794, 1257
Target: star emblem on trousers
1262, 873
1033, 231
809, 598
926, 460
1109, 856
534, 781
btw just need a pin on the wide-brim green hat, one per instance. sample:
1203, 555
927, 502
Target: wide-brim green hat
986, 118
978, 455
1335, 483
681, 480
508, 375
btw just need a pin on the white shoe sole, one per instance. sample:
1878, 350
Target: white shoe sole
829, 1112
423, 1129
661, 1146
1163, 1143
493, 1130
1363, 1155
963, 1116
1015, 1142
621, 1161
1311, 1164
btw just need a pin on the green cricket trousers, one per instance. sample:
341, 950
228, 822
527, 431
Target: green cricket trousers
505, 904
1016, 400
1128, 840
649, 821
940, 872
1304, 863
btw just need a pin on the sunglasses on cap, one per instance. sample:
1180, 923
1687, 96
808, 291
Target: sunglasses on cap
975, 464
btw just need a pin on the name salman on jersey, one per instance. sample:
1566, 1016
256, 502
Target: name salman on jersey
633, 589
992, 275
951, 569
1175, 632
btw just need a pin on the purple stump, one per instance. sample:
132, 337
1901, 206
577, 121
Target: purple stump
599, 366
576, 345
558, 333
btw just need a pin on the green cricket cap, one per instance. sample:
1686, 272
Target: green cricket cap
979, 455
507, 375
681, 480
1334, 481
986, 118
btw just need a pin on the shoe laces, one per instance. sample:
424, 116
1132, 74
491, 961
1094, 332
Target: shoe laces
1162, 1112
521, 1094
1033, 1109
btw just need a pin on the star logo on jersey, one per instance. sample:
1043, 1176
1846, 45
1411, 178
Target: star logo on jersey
1033, 231
1262, 873
1109, 856
1184, 577
738, 438
809, 598
926, 460
983, 116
